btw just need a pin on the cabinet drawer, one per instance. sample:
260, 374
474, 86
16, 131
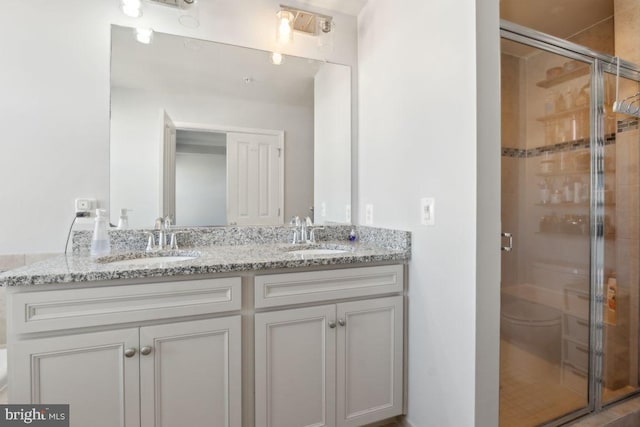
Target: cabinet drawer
74, 308
576, 328
314, 286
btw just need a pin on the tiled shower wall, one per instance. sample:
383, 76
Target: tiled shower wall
511, 140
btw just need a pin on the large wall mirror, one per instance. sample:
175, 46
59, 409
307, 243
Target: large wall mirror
215, 134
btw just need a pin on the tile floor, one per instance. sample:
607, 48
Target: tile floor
532, 393
530, 389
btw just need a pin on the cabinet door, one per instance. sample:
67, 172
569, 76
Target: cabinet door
295, 367
87, 371
370, 360
191, 374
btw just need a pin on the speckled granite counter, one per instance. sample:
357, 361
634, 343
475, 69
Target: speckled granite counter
216, 250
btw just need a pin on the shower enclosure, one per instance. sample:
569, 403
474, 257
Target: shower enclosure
570, 199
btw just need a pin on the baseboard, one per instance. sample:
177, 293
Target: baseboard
399, 421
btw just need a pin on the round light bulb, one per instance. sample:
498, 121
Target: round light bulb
144, 35
284, 33
276, 58
132, 8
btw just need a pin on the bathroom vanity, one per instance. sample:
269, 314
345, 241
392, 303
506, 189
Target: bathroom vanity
241, 335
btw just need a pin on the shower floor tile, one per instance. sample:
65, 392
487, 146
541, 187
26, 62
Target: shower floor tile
531, 392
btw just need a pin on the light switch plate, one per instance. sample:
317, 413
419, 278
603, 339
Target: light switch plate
368, 214
428, 211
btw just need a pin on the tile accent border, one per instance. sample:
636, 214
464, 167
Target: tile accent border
627, 125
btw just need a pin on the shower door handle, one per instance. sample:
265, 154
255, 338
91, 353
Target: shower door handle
509, 247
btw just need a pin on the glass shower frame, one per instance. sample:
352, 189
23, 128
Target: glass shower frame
600, 64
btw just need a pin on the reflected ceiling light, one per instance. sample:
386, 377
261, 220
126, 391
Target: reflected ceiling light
276, 58
284, 32
132, 8
144, 35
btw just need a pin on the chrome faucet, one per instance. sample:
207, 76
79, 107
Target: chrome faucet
304, 230
295, 222
161, 226
312, 234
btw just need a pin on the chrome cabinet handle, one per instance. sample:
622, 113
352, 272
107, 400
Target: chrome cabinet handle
130, 352
509, 247
332, 325
342, 322
145, 351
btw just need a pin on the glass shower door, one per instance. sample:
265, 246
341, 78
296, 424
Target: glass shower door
621, 208
545, 287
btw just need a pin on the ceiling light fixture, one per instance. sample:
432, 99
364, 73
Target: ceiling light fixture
189, 11
131, 8
291, 19
144, 35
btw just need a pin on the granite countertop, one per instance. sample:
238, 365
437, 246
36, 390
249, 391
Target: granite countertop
209, 259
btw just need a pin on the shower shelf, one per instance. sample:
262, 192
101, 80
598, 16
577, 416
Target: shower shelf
608, 236
563, 205
570, 205
571, 173
580, 71
563, 114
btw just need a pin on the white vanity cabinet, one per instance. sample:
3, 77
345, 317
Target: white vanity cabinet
88, 371
321, 347
338, 364
167, 373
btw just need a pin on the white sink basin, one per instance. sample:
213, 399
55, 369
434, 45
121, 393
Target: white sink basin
317, 251
155, 260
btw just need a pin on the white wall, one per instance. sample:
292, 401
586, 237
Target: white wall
332, 151
201, 189
136, 128
419, 137
54, 107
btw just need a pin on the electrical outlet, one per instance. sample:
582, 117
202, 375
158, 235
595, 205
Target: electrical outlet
348, 213
368, 214
85, 205
323, 209
428, 211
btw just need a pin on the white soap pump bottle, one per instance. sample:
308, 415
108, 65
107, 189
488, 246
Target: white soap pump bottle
123, 222
100, 244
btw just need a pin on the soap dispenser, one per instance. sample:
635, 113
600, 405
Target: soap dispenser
123, 222
100, 245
